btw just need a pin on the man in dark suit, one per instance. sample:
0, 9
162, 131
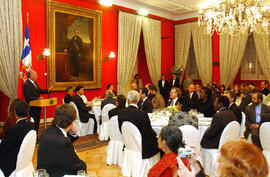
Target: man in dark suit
31, 91
192, 96
246, 99
174, 95
68, 97
56, 153
264, 86
163, 86
120, 105
83, 109
75, 50
11, 143
220, 120
145, 104
141, 120
235, 109
254, 115
174, 82
108, 99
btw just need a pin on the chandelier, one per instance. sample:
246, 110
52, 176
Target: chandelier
235, 16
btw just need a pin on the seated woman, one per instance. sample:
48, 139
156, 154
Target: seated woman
182, 117
169, 141
11, 119
10, 145
205, 105
237, 158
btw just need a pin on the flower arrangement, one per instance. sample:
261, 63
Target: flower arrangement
172, 109
177, 70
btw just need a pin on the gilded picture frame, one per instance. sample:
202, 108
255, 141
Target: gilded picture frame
74, 39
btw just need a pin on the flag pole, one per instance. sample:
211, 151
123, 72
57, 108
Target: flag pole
27, 17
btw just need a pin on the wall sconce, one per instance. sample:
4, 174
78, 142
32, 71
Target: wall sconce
45, 54
109, 58
143, 12
105, 2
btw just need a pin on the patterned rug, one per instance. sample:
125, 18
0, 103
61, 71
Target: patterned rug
88, 142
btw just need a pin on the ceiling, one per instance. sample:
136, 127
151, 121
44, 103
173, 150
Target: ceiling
171, 9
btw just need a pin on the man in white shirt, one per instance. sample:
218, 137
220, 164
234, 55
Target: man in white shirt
174, 94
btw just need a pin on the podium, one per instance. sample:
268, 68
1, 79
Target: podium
44, 103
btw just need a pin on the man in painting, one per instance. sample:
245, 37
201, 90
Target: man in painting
75, 49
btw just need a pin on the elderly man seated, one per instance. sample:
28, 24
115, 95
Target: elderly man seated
108, 99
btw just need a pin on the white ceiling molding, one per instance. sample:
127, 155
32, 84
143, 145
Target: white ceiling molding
170, 9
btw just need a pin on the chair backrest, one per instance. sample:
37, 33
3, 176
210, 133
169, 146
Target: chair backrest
264, 133
26, 151
230, 132
191, 135
63, 100
105, 110
114, 131
242, 126
1, 173
76, 109
132, 137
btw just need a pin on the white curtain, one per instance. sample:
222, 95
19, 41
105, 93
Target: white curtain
152, 43
182, 44
203, 52
232, 49
129, 30
262, 45
10, 46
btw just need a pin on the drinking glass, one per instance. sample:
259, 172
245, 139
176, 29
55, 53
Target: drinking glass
81, 173
41, 173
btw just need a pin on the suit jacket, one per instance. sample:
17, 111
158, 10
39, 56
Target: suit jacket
146, 106
212, 135
107, 101
245, 102
193, 101
158, 101
265, 91
67, 99
235, 109
11, 143
115, 111
163, 90
82, 108
56, 154
170, 101
141, 120
176, 83
251, 116
31, 92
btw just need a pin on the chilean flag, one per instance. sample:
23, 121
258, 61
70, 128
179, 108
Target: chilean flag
26, 55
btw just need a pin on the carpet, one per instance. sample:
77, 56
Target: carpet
88, 142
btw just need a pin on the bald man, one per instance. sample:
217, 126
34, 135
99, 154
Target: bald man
31, 91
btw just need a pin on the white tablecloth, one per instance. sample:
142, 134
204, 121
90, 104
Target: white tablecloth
204, 123
159, 120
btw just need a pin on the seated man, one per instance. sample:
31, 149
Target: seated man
68, 97
83, 108
120, 105
254, 114
141, 120
11, 143
235, 109
108, 99
56, 153
145, 103
220, 120
174, 95
157, 101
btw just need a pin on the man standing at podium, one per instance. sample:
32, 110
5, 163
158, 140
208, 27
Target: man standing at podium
32, 92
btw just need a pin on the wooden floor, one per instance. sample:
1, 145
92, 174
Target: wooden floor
96, 161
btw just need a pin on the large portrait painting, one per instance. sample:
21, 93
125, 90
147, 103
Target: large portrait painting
74, 38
